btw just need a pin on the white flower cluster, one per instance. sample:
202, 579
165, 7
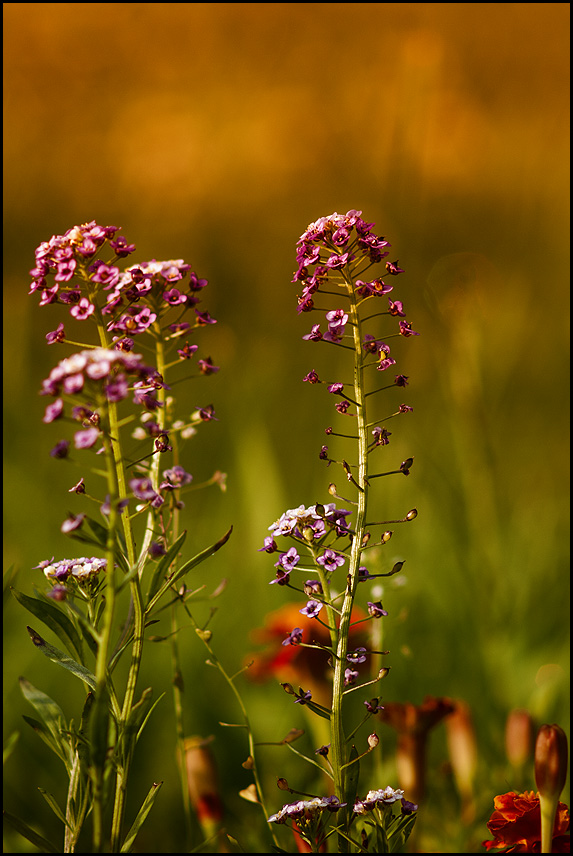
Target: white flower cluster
386, 796
82, 569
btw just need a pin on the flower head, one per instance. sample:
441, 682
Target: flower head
516, 824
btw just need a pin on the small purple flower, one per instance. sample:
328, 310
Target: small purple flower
72, 523
156, 550
175, 477
324, 752
315, 335
57, 335
142, 488
82, 310
381, 436
288, 560
376, 610
174, 297
58, 593
204, 318
401, 380
78, 488
312, 608
357, 656
61, 449
396, 308
270, 545
294, 637
372, 706
303, 696
343, 406
206, 367
86, 439
405, 408
282, 578
331, 560
312, 587
336, 388
187, 351
406, 329
323, 454
312, 377
53, 411
350, 676
393, 269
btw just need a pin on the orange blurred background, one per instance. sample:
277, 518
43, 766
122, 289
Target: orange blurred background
215, 132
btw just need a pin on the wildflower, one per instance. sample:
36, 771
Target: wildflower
330, 560
61, 449
393, 269
376, 610
294, 637
312, 377
382, 796
287, 561
516, 825
406, 329
312, 608
80, 569
57, 335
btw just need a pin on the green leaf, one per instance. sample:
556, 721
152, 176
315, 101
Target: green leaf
46, 735
318, 709
55, 619
49, 710
188, 566
163, 565
10, 745
351, 783
51, 800
141, 815
62, 659
43, 845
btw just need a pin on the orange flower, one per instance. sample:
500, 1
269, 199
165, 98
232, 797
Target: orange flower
516, 825
306, 667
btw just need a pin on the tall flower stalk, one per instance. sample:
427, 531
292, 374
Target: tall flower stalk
155, 302
334, 255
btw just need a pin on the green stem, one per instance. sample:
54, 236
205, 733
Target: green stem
338, 740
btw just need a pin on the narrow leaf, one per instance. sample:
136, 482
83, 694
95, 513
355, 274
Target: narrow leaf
51, 800
351, 788
10, 744
62, 659
188, 566
55, 619
141, 815
163, 565
43, 845
46, 735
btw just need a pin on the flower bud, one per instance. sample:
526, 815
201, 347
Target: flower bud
550, 761
412, 514
282, 785
373, 740
308, 534
386, 537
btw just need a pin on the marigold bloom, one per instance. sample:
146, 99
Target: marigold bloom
516, 825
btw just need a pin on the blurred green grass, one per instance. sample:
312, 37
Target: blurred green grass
217, 132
